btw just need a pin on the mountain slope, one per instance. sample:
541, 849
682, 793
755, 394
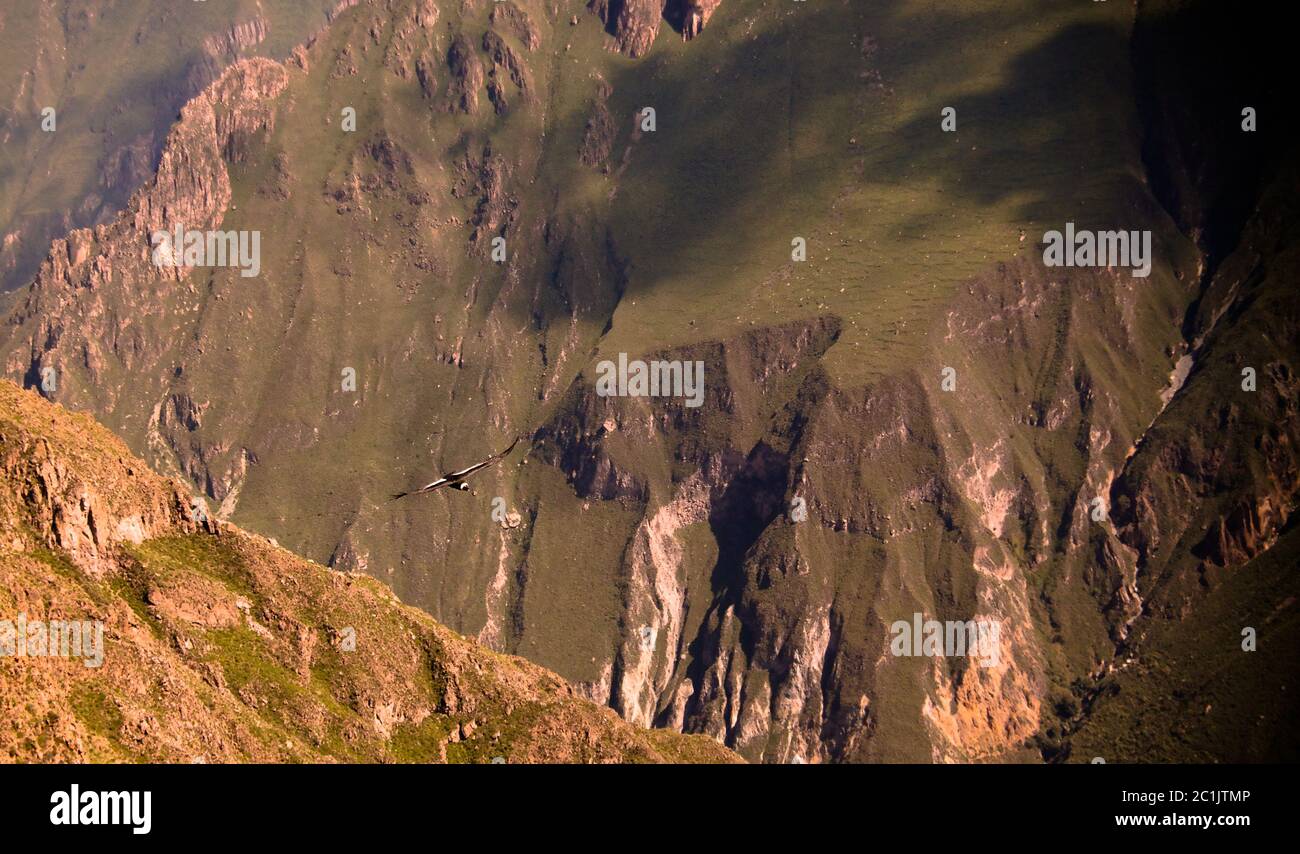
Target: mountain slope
115, 74
221, 646
648, 551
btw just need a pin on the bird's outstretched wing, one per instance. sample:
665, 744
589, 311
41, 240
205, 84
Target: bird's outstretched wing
495, 458
458, 475
442, 481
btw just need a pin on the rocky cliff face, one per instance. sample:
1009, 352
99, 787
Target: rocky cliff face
191, 189
916, 416
634, 24
110, 116
50, 505
217, 645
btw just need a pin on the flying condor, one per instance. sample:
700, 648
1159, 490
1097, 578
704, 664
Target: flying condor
456, 479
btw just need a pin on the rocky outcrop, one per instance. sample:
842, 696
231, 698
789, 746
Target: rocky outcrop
483, 178
633, 23
695, 15
515, 21
231, 45
507, 64
598, 135
82, 498
466, 78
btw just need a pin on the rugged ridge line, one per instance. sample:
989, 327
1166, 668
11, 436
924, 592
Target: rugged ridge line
219, 646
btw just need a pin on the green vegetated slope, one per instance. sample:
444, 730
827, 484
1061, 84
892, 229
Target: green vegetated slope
654, 561
824, 122
218, 645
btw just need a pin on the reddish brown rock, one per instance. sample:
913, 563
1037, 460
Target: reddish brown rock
633, 23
